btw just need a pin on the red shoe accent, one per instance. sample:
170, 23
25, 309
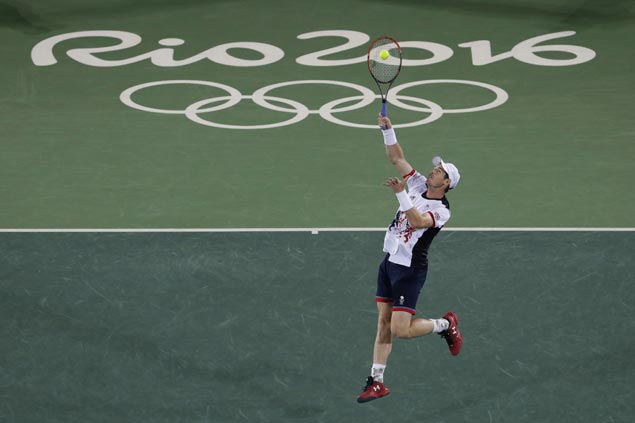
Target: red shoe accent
452, 335
372, 390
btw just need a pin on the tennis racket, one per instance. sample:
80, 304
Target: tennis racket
384, 64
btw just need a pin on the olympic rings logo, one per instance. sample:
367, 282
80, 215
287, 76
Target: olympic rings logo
327, 111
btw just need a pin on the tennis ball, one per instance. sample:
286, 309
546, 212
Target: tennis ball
384, 54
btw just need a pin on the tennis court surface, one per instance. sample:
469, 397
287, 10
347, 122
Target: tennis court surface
191, 210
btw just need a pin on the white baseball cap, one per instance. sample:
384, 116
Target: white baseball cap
450, 169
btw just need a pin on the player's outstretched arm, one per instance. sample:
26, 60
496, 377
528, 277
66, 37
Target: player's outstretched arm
415, 217
393, 149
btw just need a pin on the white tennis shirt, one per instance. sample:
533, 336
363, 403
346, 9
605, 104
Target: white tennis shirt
407, 245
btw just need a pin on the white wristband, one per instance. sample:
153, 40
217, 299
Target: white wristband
390, 138
404, 201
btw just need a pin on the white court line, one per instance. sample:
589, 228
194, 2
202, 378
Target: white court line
312, 230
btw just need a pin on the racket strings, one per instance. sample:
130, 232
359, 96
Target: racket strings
384, 70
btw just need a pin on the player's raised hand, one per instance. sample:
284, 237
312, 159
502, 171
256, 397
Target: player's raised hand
395, 184
384, 122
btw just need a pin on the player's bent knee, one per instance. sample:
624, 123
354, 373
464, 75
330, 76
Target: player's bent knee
401, 331
400, 324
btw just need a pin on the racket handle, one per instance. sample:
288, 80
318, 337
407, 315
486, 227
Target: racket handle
384, 112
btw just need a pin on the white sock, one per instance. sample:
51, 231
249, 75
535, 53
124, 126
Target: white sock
440, 325
377, 372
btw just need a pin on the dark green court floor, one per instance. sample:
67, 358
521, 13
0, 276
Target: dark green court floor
279, 327
557, 153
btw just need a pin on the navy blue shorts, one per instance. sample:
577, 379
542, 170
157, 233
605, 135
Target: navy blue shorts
399, 285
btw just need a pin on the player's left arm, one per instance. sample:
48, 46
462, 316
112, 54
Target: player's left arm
415, 217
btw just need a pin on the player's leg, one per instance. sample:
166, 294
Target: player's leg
384, 299
375, 387
383, 340
404, 326
406, 287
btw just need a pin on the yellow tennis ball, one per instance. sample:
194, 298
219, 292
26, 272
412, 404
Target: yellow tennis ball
384, 54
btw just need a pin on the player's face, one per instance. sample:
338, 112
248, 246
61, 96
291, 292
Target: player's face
437, 177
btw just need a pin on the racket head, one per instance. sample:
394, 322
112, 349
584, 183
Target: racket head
384, 71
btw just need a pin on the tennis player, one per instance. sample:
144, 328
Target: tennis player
423, 210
